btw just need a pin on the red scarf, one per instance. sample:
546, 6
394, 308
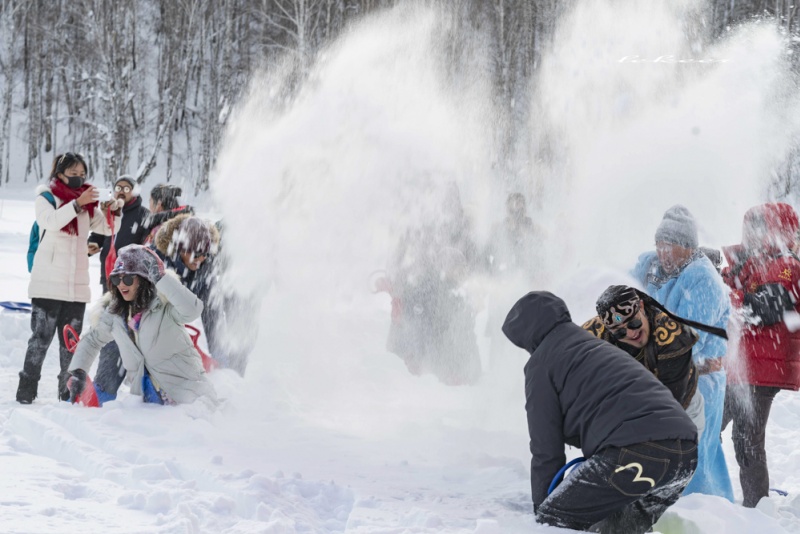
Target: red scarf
65, 194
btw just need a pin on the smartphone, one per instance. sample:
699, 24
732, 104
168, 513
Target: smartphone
105, 194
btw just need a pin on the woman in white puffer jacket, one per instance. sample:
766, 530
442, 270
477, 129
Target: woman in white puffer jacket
59, 286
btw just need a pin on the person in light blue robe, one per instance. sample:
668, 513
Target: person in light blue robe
680, 276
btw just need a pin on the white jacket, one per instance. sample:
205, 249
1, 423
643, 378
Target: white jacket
163, 345
61, 265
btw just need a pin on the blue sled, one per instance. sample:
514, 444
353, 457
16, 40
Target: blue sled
24, 307
782, 493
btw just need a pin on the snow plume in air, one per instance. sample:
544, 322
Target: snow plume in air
384, 140
640, 109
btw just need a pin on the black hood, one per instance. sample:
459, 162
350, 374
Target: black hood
533, 317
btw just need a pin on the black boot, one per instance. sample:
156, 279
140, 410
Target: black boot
27, 390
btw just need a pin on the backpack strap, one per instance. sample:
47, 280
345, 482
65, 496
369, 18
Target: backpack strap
50, 198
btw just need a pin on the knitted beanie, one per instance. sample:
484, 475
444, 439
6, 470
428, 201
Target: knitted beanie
678, 227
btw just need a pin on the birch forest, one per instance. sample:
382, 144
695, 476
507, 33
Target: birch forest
143, 84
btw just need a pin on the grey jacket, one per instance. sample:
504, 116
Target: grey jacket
163, 344
583, 391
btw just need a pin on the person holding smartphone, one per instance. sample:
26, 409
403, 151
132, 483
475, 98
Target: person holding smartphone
59, 285
132, 228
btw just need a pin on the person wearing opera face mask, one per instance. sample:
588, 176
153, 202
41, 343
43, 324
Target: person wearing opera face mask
145, 312
66, 210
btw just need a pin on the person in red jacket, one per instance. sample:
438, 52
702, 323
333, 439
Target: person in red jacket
763, 274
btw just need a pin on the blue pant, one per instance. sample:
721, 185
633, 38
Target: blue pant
711, 476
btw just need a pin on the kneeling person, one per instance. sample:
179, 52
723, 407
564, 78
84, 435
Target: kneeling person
145, 313
633, 322
640, 445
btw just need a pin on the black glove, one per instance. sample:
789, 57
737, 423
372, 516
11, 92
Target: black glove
76, 384
769, 302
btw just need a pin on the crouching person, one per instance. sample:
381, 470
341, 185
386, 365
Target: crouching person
641, 327
145, 312
639, 443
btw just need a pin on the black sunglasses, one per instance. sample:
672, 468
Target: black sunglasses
622, 332
115, 279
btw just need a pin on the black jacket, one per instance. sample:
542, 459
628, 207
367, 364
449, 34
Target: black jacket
132, 231
583, 391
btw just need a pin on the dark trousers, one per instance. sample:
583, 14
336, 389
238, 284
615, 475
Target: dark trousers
48, 318
110, 372
622, 490
748, 407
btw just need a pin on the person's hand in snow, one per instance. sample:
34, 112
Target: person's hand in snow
76, 384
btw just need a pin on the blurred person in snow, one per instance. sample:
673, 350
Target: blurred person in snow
164, 205
59, 286
188, 245
510, 259
639, 443
236, 322
680, 275
661, 342
763, 274
145, 313
433, 323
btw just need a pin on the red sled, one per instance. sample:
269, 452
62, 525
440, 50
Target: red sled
209, 363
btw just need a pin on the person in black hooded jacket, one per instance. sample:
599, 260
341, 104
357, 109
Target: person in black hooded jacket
639, 443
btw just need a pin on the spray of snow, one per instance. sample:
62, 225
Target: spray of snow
315, 190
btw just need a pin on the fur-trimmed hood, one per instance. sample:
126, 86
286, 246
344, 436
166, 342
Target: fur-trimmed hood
165, 235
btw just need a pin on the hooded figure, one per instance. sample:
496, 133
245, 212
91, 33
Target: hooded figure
639, 443
763, 274
145, 313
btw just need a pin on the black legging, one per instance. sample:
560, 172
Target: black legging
748, 407
48, 318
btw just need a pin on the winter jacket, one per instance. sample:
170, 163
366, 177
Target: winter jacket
61, 265
163, 346
667, 354
132, 231
583, 391
201, 282
696, 292
770, 351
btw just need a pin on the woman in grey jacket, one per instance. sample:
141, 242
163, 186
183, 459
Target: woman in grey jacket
145, 313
